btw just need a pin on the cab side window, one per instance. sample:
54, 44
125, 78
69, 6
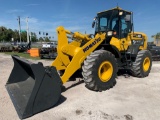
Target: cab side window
103, 24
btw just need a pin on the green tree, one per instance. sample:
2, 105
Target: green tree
41, 39
7, 35
47, 39
3, 33
16, 35
33, 37
156, 36
24, 36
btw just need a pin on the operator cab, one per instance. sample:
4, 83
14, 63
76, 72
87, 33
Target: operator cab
115, 22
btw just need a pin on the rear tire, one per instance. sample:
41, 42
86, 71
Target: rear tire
142, 65
99, 70
41, 56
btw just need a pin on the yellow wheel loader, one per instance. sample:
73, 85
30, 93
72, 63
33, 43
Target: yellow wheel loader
34, 88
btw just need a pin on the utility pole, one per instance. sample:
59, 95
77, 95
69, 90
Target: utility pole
19, 25
30, 36
27, 30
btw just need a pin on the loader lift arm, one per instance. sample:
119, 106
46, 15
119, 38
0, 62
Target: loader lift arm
78, 54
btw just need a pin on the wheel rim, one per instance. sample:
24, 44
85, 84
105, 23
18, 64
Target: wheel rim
105, 71
146, 64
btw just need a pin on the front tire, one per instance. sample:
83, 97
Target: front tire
142, 65
99, 70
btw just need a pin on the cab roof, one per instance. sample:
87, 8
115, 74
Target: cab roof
116, 8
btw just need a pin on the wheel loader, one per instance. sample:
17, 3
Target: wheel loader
114, 45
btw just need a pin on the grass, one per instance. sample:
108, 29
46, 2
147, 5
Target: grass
24, 55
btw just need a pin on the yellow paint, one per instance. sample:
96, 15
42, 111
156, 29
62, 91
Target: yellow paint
62, 60
71, 55
105, 71
116, 42
121, 44
146, 64
144, 47
124, 43
73, 51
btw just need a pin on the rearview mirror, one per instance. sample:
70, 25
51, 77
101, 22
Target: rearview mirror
93, 23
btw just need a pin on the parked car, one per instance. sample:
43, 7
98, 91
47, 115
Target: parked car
49, 45
155, 51
48, 50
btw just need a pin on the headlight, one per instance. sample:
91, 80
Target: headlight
109, 33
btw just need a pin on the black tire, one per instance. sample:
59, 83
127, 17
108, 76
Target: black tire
41, 56
91, 67
137, 67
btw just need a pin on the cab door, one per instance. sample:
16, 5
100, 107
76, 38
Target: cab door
125, 29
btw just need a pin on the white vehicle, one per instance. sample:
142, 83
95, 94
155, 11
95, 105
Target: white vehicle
49, 45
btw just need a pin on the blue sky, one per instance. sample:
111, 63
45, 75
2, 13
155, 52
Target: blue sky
76, 15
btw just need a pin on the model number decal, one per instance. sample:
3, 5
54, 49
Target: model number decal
91, 45
137, 35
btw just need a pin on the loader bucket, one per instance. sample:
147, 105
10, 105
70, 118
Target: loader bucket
32, 87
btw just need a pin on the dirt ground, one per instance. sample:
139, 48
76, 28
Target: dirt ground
131, 98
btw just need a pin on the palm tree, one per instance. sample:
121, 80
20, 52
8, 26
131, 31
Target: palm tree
156, 38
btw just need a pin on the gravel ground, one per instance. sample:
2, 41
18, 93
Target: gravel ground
131, 99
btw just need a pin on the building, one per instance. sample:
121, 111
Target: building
157, 42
